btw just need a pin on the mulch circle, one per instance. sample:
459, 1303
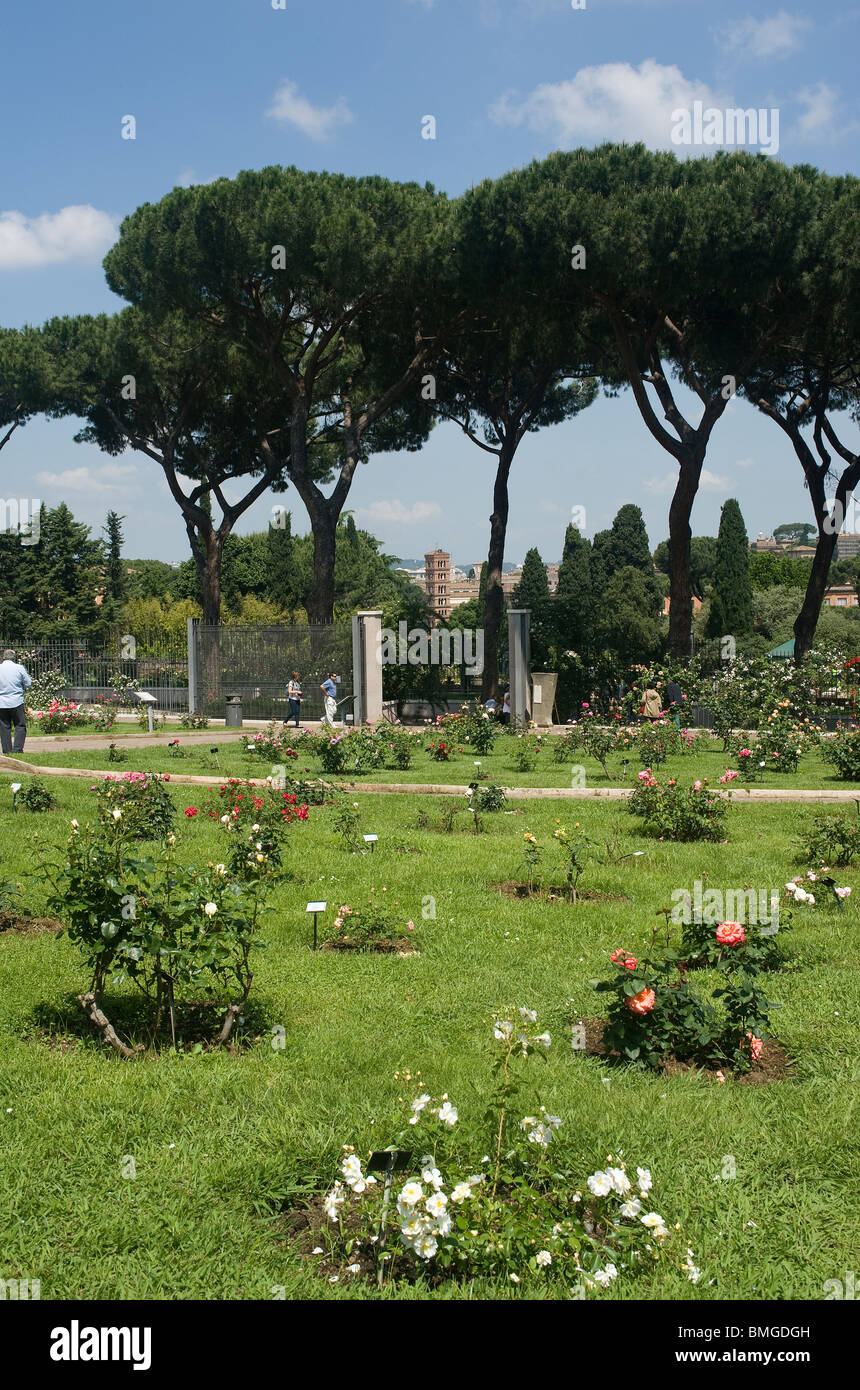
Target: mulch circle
29, 926
513, 889
774, 1064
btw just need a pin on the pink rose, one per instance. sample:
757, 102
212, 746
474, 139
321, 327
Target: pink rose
641, 1003
730, 934
755, 1046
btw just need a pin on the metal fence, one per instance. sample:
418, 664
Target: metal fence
256, 663
158, 661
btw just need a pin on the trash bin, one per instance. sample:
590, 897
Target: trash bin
234, 711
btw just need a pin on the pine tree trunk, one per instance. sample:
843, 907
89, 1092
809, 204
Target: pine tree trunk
807, 619
494, 598
680, 536
320, 601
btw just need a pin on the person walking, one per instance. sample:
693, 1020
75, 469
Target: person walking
674, 699
652, 707
14, 680
294, 695
329, 690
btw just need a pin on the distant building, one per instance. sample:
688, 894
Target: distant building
697, 603
437, 580
847, 546
841, 596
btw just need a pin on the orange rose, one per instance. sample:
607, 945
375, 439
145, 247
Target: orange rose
755, 1046
641, 1003
730, 934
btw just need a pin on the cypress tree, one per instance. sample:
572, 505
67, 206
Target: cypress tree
532, 592
574, 599
731, 602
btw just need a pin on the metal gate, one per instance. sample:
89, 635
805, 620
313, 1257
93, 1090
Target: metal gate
256, 663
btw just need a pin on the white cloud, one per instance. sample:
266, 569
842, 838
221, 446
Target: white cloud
75, 233
820, 115
612, 101
745, 463
775, 37
109, 477
667, 482
397, 512
317, 122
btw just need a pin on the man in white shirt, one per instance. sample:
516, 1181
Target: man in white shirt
14, 680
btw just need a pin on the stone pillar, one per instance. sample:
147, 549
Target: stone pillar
367, 666
519, 653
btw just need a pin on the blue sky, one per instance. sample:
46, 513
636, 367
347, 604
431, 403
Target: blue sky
232, 84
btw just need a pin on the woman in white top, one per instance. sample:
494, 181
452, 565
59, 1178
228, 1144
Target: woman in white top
294, 695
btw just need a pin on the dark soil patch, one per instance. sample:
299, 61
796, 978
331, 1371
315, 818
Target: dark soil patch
22, 925
65, 1024
774, 1064
400, 947
304, 1230
556, 893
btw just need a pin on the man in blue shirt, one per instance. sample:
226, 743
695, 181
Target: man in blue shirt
329, 690
14, 680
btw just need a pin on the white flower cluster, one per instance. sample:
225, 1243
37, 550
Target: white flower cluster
503, 1031
424, 1216
354, 1179
540, 1131
446, 1112
800, 894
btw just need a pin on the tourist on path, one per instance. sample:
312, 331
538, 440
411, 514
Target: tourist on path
652, 708
329, 690
14, 680
294, 695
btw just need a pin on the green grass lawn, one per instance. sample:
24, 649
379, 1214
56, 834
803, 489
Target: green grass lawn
223, 1144
233, 760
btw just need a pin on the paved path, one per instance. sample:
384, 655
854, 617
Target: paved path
740, 796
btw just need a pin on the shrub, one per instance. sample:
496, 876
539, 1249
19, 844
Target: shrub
843, 752
345, 824
255, 817
179, 934
733, 945
526, 753
36, 797
495, 1198
490, 798
471, 726
832, 839
781, 742
188, 719
678, 813
49, 688
397, 746
440, 751
60, 716
332, 751
135, 806
103, 714
367, 928
655, 1014
656, 741
272, 744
